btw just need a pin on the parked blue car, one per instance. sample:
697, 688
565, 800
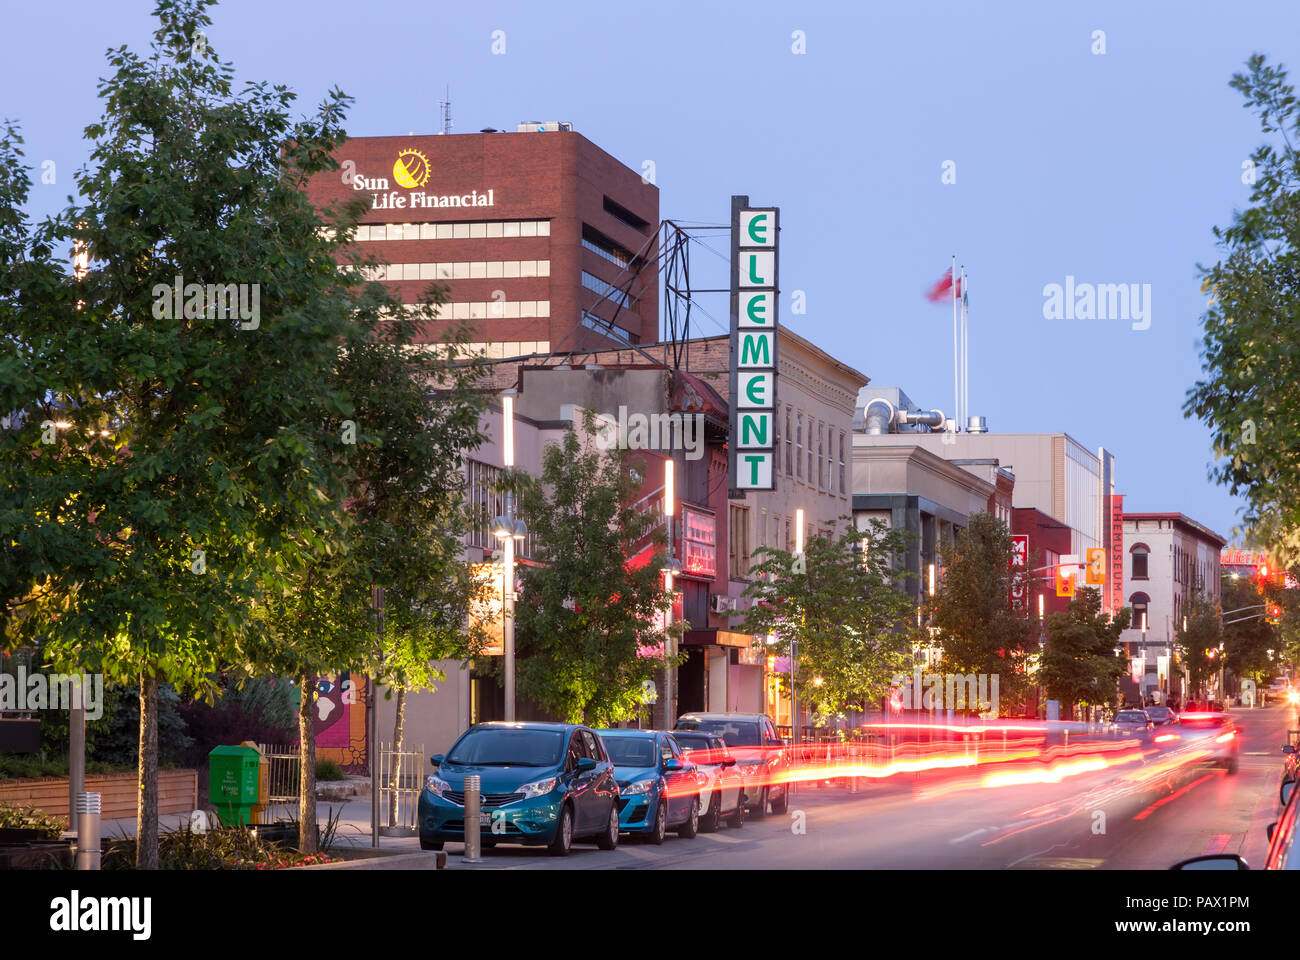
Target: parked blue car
659, 789
541, 784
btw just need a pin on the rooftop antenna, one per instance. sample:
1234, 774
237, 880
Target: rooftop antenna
445, 104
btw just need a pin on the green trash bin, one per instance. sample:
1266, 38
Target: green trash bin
232, 783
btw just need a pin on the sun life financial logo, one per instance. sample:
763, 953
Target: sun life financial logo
411, 170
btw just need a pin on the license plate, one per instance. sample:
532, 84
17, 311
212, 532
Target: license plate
484, 818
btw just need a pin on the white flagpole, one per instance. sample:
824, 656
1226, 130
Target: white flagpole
965, 355
956, 368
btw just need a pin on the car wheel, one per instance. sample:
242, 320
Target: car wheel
563, 840
713, 818
1232, 765
737, 819
661, 823
609, 839
430, 844
780, 806
760, 810
692, 825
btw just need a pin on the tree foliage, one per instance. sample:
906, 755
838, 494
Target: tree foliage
1249, 395
976, 627
1197, 643
1079, 663
583, 612
843, 604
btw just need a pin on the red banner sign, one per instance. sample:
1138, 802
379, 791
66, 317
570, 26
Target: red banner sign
1115, 589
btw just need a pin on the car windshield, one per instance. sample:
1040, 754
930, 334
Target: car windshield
508, 746
630, 751
736, 733
1131, 716
1158, 713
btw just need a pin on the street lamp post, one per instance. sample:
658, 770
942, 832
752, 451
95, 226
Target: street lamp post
795, 726
671, 566
508, 528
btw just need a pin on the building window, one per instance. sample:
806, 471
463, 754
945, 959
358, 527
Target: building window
593, 322
811, 468
699, 545
798, 446
1140, 552
487, 309
452, 231
1141, 605
608, 291
821, 456
843, 486
789, 444
738, 543
605, 248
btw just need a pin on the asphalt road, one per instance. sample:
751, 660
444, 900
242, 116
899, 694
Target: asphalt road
1138, 815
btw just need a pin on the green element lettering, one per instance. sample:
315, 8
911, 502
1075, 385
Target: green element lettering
751, 345
753, 262
754, 459
756, 309
758, 228
756, 385
755, 423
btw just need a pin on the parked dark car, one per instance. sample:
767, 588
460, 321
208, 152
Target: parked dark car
722, 790
659, 789
541, 783
760, 755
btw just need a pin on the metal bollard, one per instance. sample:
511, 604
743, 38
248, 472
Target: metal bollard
473, 844
89, 807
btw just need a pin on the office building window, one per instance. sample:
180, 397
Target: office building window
367, 232
608, 291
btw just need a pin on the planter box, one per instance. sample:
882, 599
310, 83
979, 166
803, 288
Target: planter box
177, 793
38, 855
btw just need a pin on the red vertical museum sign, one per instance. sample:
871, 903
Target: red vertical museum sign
1019, 567
1116, 584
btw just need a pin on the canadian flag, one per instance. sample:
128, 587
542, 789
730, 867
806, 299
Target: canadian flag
942, 290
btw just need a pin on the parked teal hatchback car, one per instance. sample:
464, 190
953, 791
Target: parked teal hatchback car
659, 789
541, 783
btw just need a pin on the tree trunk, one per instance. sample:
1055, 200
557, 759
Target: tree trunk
396, 781
146, 813
307, 836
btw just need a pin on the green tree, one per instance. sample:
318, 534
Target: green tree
1079, 664
583, 614
192, 472
977, 629
1249, 395
843, 604
1248, 640
1198, 638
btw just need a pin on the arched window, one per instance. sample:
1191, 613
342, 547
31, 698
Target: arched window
1140, 552
1141, 605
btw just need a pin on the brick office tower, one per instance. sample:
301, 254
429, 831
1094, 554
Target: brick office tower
536, 233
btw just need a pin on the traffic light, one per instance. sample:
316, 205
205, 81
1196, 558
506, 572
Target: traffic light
1274, 614
1064, 581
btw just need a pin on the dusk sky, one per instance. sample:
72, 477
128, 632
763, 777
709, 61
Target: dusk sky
1108, 168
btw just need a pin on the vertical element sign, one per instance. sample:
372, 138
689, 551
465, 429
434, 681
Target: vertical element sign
754, 291
1019, 565
1116, 553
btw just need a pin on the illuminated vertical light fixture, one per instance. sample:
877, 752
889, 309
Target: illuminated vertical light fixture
671, 566
508, 528
794, 644
932, 579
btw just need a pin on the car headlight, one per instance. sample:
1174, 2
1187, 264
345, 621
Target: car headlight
436, 785
538, 788
640, 786
749, 769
